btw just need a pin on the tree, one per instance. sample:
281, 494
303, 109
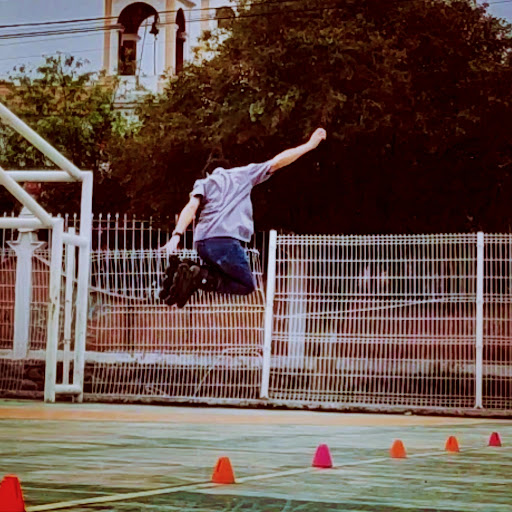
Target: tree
72, 109
414, 95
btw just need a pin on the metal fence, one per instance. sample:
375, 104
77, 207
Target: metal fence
388, 322
375, 321
137, 348
496, 372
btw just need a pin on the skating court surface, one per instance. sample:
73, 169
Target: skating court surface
127, 458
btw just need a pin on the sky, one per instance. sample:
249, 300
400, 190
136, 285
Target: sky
500, 9
86, 46
29, 51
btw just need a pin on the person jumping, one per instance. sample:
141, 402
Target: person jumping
225, 223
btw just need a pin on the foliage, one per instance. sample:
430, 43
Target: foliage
414, 96
72, 109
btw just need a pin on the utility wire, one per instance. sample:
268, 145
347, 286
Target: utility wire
199, 19
11, 43
173, 11
253, 15
116, 26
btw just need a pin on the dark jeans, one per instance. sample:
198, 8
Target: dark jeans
227, 257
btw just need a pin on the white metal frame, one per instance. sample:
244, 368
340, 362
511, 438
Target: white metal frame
458, 286
338, 365
269, 314
68, 173
479, 327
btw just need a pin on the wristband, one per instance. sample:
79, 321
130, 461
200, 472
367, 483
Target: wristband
177, 233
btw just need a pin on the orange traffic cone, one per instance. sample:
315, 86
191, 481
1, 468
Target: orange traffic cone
11, 497
452, 445
322, 458
223, 472
397, 450
495, 440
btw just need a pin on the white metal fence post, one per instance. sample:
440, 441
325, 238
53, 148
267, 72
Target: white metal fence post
69, 172
479, 327
53, 310
82, 294
24, 248
269, 313
68, 307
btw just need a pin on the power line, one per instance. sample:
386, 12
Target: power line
90, 50
253, 15
10, 44
21, 35
200, 19
105, 18
45, 36
173, 11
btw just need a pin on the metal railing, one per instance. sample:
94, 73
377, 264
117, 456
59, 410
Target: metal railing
419, 322
388, 321
34, 216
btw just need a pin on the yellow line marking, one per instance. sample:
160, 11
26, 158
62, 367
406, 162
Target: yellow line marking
118, 497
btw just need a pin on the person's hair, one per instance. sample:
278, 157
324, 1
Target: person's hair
213, 163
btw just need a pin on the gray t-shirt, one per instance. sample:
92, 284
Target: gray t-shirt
226, 201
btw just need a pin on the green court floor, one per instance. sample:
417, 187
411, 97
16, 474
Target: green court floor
145, 458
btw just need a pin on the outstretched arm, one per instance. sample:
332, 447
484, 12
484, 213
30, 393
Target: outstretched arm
185, 218
290, 155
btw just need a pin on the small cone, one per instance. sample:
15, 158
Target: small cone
223, 472
322, 458
452, 445
495, 440
11, 497
397, 450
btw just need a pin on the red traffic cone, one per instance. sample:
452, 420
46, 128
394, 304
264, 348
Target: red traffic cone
11, 497
397, 450
223, 472
495, 440
322, 458
452, 445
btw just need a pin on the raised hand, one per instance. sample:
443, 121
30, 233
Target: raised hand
318, 136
